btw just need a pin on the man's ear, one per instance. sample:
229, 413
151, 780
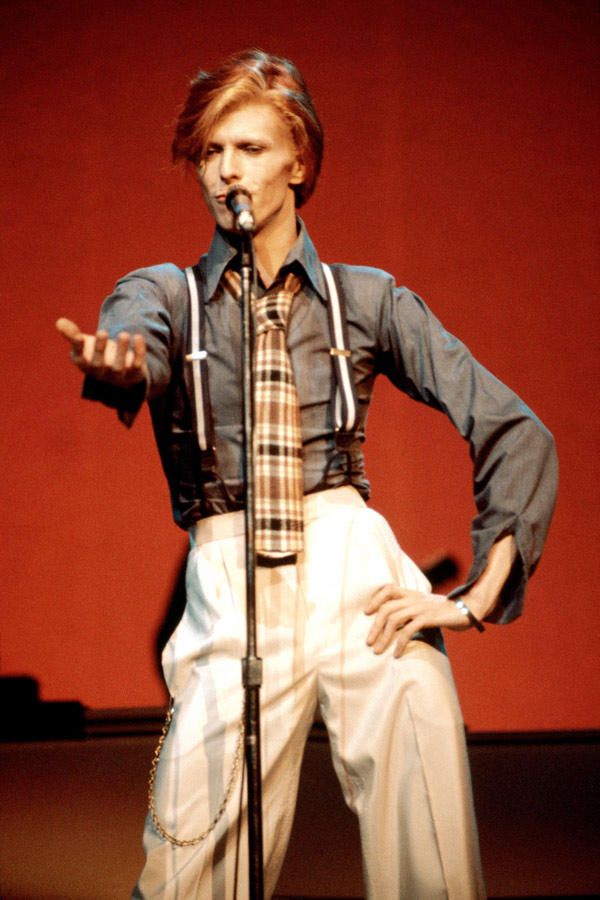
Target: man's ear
298, 173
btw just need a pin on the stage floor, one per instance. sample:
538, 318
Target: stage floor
72, 812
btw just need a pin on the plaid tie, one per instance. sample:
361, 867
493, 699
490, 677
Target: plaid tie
279, 483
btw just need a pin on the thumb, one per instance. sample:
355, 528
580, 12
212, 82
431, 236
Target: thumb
68, 329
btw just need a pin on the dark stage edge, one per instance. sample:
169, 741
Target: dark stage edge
72, 811
149, 720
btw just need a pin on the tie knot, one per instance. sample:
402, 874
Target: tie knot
272, 310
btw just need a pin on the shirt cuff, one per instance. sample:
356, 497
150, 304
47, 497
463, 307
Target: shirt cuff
127, 401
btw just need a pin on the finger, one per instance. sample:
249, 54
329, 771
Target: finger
402, 630
67, 328
410, 604
387, 621
139, 354
78, 349
121, 348
99, 350
135, 361
378, 625
382, 595
406, 635
386, 635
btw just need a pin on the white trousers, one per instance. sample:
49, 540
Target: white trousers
395, 726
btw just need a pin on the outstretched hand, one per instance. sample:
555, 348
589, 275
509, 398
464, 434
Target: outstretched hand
399, 613
121, 362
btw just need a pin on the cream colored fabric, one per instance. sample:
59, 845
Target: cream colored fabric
395, 726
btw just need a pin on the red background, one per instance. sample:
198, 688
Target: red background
461, 153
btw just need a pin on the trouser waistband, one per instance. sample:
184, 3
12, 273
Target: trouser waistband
229, 525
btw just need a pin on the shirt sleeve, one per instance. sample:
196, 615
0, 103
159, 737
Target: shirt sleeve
514, 459
147, 302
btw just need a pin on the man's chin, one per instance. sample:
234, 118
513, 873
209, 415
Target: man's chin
224, 220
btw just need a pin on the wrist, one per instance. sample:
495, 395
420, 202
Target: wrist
468, 614
480, 604
483, 596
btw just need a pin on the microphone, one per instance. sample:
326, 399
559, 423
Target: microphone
239, 203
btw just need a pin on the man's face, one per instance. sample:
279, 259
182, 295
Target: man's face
252, 146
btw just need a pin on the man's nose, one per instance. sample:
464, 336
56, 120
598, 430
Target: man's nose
230, 166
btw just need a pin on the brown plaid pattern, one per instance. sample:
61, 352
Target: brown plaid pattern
278, 449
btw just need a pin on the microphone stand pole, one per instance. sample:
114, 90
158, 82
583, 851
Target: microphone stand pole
251, 664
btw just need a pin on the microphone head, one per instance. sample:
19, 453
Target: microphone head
236, 194
239, 202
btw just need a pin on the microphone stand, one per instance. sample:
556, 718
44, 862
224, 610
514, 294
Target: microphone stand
251, 664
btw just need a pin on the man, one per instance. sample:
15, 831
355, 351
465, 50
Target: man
345, 619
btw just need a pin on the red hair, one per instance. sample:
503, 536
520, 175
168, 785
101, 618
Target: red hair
249, 77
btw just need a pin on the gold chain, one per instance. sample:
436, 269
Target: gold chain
239, 752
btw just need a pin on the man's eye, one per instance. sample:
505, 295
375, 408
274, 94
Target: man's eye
210, 151
253, 149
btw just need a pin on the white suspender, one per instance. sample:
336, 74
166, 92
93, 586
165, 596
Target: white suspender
346, 403
197, 357
346, 411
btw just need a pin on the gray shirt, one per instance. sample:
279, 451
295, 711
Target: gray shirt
392, 333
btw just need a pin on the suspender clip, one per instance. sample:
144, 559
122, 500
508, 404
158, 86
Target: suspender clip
344, 439
208, 461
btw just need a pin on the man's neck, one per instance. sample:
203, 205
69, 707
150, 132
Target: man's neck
271, 250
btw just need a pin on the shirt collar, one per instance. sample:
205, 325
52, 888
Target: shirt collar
225, 247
